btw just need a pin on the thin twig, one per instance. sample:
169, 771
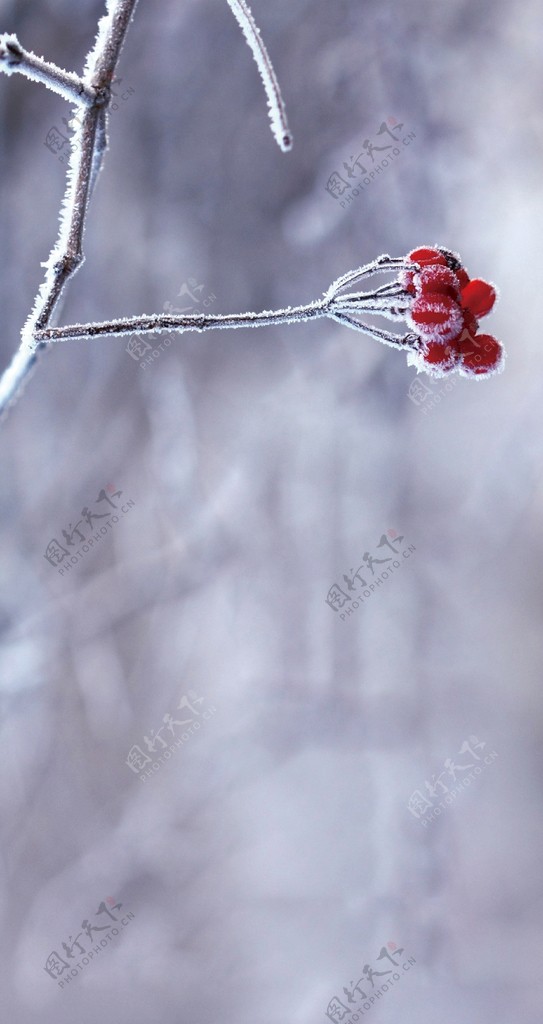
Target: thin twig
67, 256
331, 305
13, 58
276, 107
387, 337
165, 322
92, 92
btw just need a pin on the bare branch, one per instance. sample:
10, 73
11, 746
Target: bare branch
382, 265
392, 305
386, 337
14, 58
89, 143
164, 322
276, 107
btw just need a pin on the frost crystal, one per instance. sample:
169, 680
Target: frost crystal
276, 107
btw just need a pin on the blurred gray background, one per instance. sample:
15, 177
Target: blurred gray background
274, 854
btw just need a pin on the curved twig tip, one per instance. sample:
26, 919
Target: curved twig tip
277, 112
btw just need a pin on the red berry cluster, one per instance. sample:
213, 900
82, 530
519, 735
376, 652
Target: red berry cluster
445, 313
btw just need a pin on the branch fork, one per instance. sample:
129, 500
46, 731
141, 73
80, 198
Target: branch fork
90, 93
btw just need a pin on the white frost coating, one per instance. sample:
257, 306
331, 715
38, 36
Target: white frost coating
498, 368
72, 211
415, 358
276, 107
386, 337
10, 53
13, 58
345, 308
94, 55
88, 145
382, 265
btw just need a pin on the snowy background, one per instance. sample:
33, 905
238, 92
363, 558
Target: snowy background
274, 855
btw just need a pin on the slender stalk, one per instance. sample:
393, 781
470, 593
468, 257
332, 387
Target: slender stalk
165, 322
13, 58
387, 337
92, 92
379, 303
382, 265
86, 153
278, 114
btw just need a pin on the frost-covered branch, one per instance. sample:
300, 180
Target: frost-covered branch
92, 92
13, 58
89, 144
212, 322
432, 293
276, 107
391, 301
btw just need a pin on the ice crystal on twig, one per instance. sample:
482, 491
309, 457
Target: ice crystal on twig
276, 107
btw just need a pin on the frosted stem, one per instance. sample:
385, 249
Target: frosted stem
90, 142
277, 112
387, 337
338, 308
13, 58
165, 322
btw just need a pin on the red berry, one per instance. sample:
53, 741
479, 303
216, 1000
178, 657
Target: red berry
463, 277
427, 256
439, 355
437, 280
479, 297
480, 355
436, 318
452, 258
